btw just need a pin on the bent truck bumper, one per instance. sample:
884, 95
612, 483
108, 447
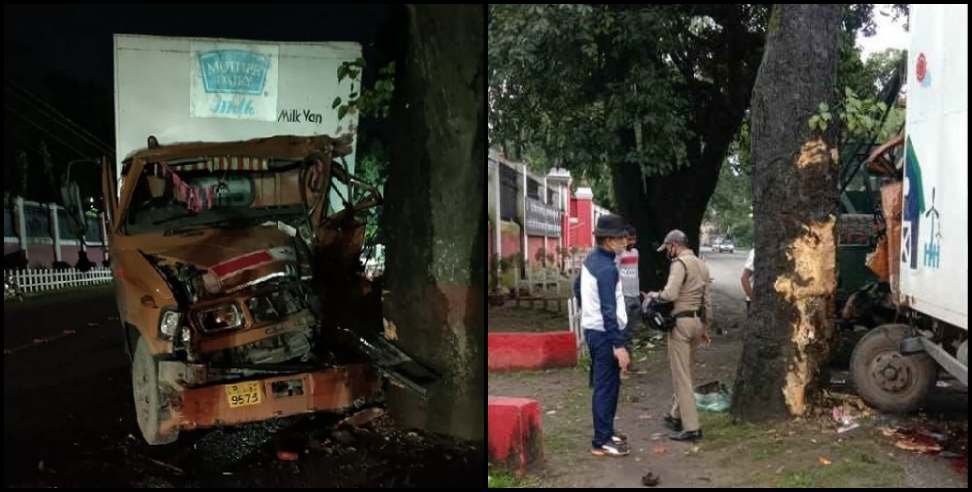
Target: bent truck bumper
327, 389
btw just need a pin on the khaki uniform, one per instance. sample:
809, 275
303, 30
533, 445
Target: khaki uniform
688, 286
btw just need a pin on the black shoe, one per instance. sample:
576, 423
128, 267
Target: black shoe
693, 436
673, 423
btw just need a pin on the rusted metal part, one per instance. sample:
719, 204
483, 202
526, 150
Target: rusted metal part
255, 332
281, 147
325, 390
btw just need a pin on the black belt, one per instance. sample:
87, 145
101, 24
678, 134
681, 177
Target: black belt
688, 314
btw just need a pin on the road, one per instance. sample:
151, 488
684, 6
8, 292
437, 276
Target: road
69, 421
725, 269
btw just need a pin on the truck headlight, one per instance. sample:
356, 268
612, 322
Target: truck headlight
223, 317
168, 324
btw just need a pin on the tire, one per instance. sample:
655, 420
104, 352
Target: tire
149, 408
886, 379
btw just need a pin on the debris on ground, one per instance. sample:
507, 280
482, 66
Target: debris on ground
845, 421
713, 397
167, 466
362, 417
917, 439
287, 455
650, 479
824, 460
659, 450
919, 444
852, 404
343, 437
846, 410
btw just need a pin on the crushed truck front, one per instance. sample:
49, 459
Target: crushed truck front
217, 252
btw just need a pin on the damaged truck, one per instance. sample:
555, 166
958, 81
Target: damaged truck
235, 228
215, 248
917, 309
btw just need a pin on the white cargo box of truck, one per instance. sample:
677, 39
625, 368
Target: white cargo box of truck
934, 269
183, 89
897, 364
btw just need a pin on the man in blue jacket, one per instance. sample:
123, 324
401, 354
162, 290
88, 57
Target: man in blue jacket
604, 319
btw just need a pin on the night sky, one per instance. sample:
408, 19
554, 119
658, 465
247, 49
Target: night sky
63, 55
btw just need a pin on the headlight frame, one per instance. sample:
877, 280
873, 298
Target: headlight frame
220, 317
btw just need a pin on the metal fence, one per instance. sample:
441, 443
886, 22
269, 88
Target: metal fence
31, 280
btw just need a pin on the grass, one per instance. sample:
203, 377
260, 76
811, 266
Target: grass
775, 458
498, 479
857, 471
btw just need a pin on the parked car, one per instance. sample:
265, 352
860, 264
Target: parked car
724, 246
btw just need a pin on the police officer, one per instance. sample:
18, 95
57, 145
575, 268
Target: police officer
688, 288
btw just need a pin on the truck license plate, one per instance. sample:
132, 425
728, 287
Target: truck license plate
243, 394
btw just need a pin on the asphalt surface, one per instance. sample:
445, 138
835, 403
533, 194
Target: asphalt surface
69, 421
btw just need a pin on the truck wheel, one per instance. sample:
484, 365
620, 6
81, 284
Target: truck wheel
886, 379
148, 401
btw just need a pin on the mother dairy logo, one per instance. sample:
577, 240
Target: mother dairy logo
234, 71
921, 71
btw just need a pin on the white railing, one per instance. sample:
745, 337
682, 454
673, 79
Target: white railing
574, 317
30, 280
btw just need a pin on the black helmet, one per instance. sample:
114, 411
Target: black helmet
658, 314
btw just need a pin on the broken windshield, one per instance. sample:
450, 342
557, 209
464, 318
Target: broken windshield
175, 197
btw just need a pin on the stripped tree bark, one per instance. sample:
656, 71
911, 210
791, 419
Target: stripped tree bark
794, 202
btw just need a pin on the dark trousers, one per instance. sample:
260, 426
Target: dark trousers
606, 381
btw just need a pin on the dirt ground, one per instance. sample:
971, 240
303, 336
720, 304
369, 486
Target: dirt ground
69, 421
803, 453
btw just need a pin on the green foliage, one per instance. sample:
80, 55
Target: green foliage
602, 186
730, 207
590, 84
860, 118
373, 166
374, 101
821, 120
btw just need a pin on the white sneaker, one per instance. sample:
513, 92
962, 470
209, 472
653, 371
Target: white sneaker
611, 449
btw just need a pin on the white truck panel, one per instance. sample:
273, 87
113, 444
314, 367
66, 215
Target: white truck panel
184, 89
934, 244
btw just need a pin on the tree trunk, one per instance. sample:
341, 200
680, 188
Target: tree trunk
658, 204
435, 219
794, 204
